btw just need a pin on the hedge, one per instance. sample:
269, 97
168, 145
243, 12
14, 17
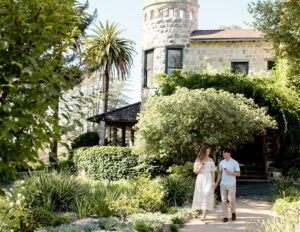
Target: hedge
107, 163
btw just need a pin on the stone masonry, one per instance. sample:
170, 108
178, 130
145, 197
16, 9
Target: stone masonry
170, 23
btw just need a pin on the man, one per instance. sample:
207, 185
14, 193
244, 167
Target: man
229, 169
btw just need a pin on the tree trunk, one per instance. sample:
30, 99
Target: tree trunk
53, 159
104, 103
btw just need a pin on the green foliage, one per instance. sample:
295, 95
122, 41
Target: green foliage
178, 220
71, 228
279, 21
54, 192
179, 190
272, 91
173, 227
37, 218
172, 127
63, 218
285, 208
141, 227
112, 224
107, 163
284, 189
272, 224
169, 210
186, 170
82, 206
34, 36
294, 172
88, 139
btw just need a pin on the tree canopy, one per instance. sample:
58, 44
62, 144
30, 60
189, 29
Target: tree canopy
175, 126
279, 21
34, 36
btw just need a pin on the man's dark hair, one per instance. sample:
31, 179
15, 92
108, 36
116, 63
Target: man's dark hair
227, 150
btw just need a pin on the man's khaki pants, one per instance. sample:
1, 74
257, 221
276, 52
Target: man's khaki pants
228, 192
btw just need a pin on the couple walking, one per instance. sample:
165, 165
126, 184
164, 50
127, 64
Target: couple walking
204, 167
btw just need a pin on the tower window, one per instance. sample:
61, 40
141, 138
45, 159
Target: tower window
271, 65
191, 15
171, 13
152, 14
174, 59
161, 13
148, 68
145, 17
181, 14
240, 67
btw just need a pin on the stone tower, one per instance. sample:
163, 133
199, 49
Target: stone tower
167, 26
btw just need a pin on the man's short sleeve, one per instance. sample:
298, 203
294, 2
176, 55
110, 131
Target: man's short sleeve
236, 167
220, 166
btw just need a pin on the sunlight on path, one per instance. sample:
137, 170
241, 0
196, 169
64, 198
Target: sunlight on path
247, 210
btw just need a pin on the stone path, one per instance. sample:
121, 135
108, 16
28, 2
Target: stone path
248, 209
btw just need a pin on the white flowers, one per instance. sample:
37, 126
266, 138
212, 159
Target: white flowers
22, 181
11, 204
19, 195
18, 202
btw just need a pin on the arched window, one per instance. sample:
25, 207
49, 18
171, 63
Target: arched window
181, 14
152, 14
161, 13
191, 15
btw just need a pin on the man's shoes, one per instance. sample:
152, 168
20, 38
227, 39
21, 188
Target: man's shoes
225, 220
233, 217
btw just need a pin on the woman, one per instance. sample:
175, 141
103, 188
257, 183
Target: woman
204, 167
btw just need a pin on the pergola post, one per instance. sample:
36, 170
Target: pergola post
123, 136
132, 136
102, 133
115, 136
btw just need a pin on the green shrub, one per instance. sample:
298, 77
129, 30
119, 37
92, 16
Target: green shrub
112, 224
173, 227
82, 206
186, 170
62, 219
36, 218
54, 191
294, 172
141, 227
107, 163
150, 194
87, 139
178, 220
285, 224
169, 210
71, 228
67, 166
284, 189
179, 190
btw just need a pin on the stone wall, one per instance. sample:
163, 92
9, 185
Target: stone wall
211, 56
166, 23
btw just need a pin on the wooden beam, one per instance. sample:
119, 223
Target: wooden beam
115, 136
123, 136
132, 136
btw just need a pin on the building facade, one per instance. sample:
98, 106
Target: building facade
171, 41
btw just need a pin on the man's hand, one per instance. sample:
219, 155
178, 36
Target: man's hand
214, 185
233, 173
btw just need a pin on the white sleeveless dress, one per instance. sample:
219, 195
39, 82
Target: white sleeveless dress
204, 193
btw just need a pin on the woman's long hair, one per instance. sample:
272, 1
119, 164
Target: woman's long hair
202, 153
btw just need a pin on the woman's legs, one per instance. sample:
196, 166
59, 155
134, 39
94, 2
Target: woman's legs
203, 215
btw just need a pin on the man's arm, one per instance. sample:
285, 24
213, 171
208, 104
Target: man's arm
218, 179
237, 174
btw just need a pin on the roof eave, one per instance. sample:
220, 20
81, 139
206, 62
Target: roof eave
226, 39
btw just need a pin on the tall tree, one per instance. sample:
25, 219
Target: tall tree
109, 54
73, 58
33, 33
279, 21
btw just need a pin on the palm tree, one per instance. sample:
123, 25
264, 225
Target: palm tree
109, 54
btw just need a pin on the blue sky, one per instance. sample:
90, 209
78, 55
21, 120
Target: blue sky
128, 13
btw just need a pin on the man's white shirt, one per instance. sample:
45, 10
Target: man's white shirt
232, 166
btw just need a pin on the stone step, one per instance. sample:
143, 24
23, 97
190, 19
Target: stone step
253, 181
259, 177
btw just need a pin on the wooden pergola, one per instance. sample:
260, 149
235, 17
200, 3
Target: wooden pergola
122, 118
